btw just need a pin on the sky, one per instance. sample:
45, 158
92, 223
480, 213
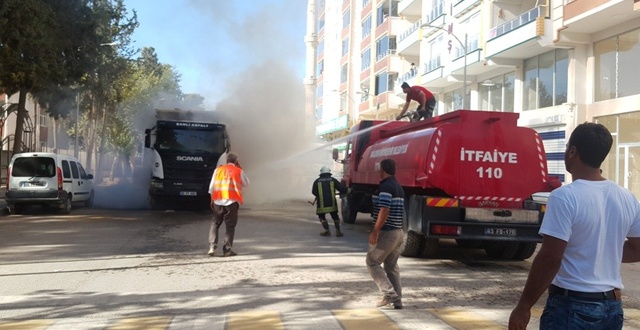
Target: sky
212, 42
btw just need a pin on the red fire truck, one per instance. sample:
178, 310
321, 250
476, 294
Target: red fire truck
467, 175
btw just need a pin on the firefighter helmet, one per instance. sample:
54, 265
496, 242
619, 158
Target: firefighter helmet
325, 169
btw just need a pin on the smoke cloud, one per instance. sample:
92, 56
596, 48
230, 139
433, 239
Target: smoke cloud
258, 93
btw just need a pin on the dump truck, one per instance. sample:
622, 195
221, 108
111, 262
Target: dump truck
186, 147
467, 175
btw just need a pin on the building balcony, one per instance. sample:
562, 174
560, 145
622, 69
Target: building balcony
521, 37
408, 43
435, 14
389, 62
588, 16
464, 6
410, 8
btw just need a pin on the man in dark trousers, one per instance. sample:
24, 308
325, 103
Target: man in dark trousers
590, 227
387, 236
426, 101
324, 189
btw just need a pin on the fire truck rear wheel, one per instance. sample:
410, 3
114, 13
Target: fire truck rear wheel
525, 251
348, 209
429, 248
412, 245
502, 250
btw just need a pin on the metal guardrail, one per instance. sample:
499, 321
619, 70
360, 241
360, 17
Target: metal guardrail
410, 30
519, 21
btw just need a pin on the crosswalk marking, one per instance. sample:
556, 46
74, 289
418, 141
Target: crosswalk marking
26, 325
267, 320
147, 323
463, 320
351, 319
364, 319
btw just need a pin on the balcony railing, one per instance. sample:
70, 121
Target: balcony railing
519, 21
436, 12
473, 43
385, 54
410, 30
407, 75
433, 64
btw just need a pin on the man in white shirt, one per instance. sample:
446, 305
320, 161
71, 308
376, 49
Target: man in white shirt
589, 228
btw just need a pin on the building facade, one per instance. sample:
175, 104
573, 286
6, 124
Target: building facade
557, 63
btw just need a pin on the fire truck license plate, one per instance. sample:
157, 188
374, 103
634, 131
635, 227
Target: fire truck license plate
188, 193
500, 231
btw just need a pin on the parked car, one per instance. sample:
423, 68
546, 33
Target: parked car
48, 179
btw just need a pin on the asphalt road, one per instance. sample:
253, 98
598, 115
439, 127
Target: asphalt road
97, 268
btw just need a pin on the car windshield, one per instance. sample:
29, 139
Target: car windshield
34, 167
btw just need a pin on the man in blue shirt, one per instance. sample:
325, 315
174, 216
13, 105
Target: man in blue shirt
387, 236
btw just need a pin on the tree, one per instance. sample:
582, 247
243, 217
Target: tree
43, 43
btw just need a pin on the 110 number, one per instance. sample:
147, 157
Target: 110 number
489, 172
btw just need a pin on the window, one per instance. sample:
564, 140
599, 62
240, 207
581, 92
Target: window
319, 112
34, 167
345, 46
615, 71
366, 27
66, 170
385, 82
320, 68
366, 59
365, 3
344, 73
321, 23
320, 48
319, 90
346, 18
545, 80
385, 46
74, 170
500, 96
388, 8
83, 174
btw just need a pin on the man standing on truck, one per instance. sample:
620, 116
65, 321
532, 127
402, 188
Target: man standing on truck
426, 101
324, 189
226, 196
589, 228
386, 236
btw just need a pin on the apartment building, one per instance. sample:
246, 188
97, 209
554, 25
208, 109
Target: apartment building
557, 63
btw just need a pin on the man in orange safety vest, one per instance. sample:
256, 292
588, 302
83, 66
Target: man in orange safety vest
226, 196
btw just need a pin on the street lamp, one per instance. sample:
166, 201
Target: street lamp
75, 147
464, 47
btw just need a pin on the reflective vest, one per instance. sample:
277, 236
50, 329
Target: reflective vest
227, 183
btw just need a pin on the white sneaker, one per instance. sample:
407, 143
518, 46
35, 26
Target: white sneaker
212, 251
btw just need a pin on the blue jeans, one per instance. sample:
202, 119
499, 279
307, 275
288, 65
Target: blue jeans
569, 313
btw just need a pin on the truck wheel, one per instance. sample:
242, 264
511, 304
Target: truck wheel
501, 250
348, 209
525, 251
469, 243
412, 245
429, 248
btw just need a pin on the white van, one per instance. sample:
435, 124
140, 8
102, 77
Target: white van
47, 179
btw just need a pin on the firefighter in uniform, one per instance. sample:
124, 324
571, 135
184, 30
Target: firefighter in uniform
324, 189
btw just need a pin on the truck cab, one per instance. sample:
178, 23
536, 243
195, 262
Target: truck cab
184, 155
